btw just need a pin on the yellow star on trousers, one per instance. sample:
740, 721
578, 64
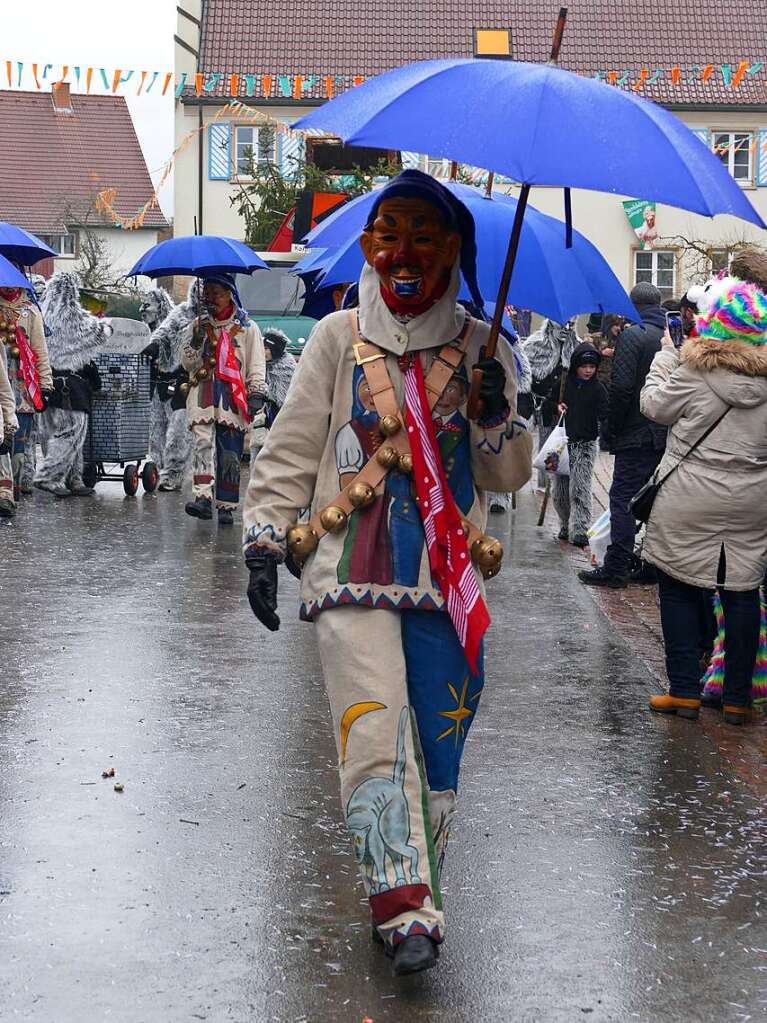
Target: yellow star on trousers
459, 714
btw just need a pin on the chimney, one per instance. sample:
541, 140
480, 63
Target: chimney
62, 100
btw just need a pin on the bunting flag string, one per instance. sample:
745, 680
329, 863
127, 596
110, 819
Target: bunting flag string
295, 86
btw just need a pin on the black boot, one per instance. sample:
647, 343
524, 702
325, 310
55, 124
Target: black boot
225, 517
200, 508
7, 508
598, 577
563, 534
580, 540
414, 954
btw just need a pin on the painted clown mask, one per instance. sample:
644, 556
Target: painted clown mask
413, 251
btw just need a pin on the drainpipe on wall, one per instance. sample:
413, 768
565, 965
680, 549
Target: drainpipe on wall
200, 228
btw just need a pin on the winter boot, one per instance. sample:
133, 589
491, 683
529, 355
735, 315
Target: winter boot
414, 954
563, 534
683, 707
57, 489
225, 517
169, 484
79, 489
713, 700
599, 577
580, 540
735, 715
200, 508
7, 508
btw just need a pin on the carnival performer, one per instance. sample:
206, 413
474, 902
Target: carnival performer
223, 352
280, 367
9, 424
29, 369
75, 337
170, 441
375, 439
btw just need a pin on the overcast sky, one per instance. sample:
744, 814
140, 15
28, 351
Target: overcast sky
103, 33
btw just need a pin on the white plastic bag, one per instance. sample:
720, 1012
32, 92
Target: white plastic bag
553, 456
599, 538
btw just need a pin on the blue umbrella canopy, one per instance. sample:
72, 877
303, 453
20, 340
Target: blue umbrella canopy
197, 255
11, 276
550, 279
22, 247
538, 125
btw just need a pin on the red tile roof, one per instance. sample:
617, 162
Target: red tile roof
365, 37
51, 162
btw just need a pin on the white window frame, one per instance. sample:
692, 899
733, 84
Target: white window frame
249, 145
436, 166
729, 253
653, 257
728, 149
58, 241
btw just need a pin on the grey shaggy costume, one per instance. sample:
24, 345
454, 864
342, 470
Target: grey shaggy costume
170, 440
75, 338
547, 349
496, 501
279, 373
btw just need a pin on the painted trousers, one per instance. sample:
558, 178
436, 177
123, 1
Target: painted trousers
62, 435
22, 441
402, 700
170, 441
572, 494
216, 463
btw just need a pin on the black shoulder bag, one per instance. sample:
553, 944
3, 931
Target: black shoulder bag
641, 503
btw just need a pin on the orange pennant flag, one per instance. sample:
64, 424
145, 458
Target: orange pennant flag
64, 73
198, 84
739, 73
116, 79
676, 75
34, 72
88, 78
8, 71
166, 83
329, 86
612, 77
358, 80
298, 82
644, 74
707, 72
266, 84
234, 85
141, 83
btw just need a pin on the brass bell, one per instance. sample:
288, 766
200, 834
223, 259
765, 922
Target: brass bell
389, 425
202, 374
333, 518
406, 464
211, 361
361, 495
387, 457
184, 388
14, 352
487, 554
302, 540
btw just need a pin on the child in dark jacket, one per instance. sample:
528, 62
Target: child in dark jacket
584, 406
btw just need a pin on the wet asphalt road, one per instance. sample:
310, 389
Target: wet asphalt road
605, 864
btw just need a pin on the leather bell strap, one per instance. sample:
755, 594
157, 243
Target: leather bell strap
373, 362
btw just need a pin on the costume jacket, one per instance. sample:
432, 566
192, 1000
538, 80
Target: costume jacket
210, 400
8, 421
328, 429
22, 312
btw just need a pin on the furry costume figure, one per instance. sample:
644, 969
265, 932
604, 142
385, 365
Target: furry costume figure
548, 351
170, 442
280, 367
76, 336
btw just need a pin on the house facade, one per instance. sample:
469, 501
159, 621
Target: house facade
67, 149
290, 53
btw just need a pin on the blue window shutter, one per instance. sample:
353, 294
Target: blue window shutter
410, 161
703, 134
761, 157
219, 151
291, 151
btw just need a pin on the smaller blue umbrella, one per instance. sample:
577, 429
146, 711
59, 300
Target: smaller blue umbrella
22, 247
11, 276
551, 279
198, 255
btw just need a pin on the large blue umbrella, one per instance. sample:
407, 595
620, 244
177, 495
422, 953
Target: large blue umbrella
198, 255
11, 276
539, 125
552, 280
22, 247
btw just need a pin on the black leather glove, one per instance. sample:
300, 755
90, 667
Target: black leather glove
45, 397
492, 394
262, 589
255, 403
5, 446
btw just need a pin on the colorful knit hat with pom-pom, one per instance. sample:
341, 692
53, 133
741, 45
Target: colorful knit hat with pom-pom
739, 313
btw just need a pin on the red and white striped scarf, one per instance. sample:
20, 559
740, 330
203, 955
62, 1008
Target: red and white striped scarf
28, 366
446, 539
228, 371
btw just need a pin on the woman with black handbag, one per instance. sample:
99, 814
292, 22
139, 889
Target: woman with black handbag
705, 509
